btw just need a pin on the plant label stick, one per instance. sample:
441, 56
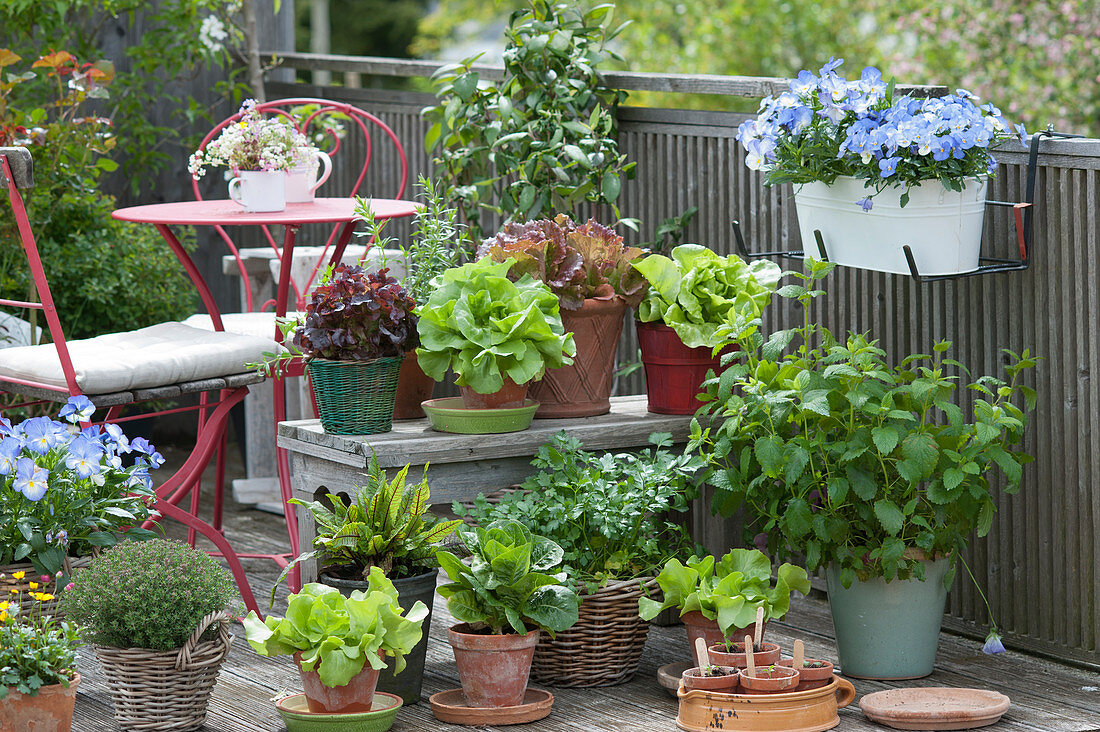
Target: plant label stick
701, 652
799, 655
759, 625
749, 659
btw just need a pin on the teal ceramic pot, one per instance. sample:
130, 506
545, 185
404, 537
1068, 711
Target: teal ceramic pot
888, 630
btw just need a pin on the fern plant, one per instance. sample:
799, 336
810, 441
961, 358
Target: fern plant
386, 524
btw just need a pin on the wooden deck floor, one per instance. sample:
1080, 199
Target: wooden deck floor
1045, 696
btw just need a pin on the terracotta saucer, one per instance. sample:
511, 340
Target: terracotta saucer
450, 706
669, 675
934, 708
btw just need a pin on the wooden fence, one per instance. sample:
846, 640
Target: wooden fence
1038, 565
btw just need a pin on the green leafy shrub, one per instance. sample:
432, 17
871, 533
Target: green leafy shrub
543, 139
607, 512
729, 591
849, 460
506, 585
149, 594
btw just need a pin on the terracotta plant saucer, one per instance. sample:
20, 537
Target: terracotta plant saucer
669, 675
450, 706
934, 708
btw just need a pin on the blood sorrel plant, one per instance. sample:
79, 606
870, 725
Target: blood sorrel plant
729, 590
357, 315
575, 262
827, 126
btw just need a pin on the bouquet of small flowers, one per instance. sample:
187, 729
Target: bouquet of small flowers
254, 142
827, 126
64, 490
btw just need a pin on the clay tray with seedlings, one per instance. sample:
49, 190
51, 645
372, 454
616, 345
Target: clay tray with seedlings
788, 695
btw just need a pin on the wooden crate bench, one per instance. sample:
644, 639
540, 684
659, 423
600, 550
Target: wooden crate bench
460, 466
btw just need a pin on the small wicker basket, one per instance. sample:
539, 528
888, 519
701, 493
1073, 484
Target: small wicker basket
162, 691
604, 647
355, 397
23, 587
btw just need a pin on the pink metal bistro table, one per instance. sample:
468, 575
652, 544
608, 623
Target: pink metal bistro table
228, 213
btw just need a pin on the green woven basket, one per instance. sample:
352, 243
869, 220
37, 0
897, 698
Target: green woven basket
355, 397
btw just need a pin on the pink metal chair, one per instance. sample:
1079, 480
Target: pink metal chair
163, 361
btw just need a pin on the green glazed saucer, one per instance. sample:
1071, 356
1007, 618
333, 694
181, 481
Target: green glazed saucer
295, 713
448, 415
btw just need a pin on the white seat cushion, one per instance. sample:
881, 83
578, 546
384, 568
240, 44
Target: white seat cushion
159, 355
260, 325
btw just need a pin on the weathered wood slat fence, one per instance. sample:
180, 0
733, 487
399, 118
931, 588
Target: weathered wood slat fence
1038, 564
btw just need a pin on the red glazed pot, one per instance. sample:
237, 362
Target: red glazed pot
493, 668
768, 655
355, 696
50, 710
769, 680
693, 678
811, 677
510, 395
698, 626
583, 388
673, 372
413, 386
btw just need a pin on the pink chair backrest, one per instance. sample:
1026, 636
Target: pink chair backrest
330, 126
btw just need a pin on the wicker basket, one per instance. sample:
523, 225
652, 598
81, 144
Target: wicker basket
604, 647
355, 397
23, 587
157, 691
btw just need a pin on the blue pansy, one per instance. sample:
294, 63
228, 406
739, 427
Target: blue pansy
85, 456
993, 645
30, 479
42, 434
78, 409
9, 452
887, 166
865, 204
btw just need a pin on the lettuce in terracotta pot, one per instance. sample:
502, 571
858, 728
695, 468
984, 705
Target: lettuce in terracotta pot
577, 263
491, 330
727, 592
340, 643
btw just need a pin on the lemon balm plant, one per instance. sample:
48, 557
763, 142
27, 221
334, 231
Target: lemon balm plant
867, 468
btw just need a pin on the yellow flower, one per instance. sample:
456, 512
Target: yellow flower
13, 590
34, 585
3, 616
42, 596
18, 575
4, 605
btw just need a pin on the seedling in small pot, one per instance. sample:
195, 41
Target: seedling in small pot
708, 677
768, 679
812, 673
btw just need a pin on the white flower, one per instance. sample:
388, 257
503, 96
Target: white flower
212, 34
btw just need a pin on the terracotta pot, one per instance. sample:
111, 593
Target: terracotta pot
769, 680
583, 389
811, 677
673, 372
493, 668
768, 655
693, 678
355, 696
510, 395
50, 710
698, 626
413, 387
